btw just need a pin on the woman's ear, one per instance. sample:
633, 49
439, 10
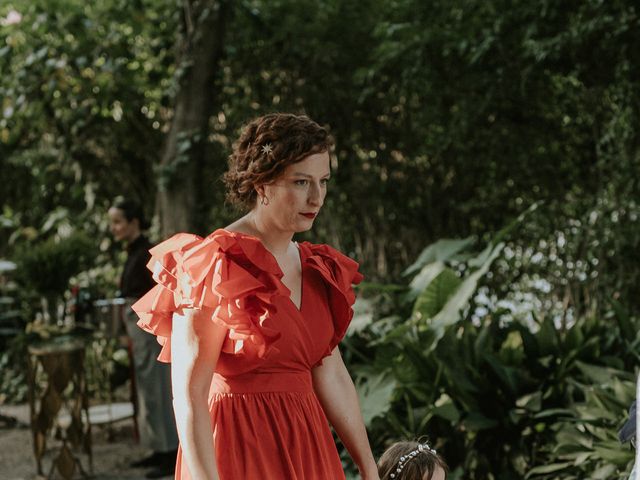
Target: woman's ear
260, 190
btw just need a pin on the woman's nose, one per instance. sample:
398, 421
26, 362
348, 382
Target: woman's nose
314, 197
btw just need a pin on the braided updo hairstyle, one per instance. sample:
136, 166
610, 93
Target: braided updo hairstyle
267, 145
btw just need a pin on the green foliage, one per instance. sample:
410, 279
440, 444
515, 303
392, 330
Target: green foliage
374, 392
47, 266
453, 117
13, 380
499, 398
585, 444
83, 100
435, 296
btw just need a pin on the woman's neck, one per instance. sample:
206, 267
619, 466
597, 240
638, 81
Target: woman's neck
133, 237
275, 240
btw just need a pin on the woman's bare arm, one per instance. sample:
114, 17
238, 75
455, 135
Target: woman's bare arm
196, 343
339, 399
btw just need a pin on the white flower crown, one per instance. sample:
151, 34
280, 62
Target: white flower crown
422, 448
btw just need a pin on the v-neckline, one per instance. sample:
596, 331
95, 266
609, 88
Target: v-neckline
297, 307
291, 302
301, 259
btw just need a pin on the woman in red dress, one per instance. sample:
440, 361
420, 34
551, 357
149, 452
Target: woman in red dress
250, 321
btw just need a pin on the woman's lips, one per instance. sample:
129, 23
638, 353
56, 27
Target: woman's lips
309, 215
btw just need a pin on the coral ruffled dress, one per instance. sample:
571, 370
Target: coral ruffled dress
267, 421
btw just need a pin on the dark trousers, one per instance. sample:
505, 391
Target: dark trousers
156, 421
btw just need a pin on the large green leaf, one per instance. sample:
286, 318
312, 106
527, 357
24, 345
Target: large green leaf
543, 469
531, 401
476, 422
440, 251
374, 393
435, 296
605, 472
509, 376
420, 282
450, 313
611, 452
602, 375
445, 407
362, 315
548, 338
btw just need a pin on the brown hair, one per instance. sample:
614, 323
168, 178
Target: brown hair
426, 462
267, 145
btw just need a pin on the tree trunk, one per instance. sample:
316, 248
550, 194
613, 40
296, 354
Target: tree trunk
200, 51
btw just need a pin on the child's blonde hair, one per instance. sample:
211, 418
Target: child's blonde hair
410, 461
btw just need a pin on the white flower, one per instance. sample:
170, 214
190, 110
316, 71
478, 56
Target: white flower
13, 17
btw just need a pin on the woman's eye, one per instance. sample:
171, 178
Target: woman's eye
304, 183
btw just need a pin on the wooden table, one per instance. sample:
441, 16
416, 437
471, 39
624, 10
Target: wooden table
57, 380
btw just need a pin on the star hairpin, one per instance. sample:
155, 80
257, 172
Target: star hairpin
267, 149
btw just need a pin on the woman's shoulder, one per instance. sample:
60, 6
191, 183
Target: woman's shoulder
339, 273
326, 251
320, 248
219, 273
190, 249
185, 242
332, 264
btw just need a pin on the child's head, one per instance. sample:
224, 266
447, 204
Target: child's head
411, 461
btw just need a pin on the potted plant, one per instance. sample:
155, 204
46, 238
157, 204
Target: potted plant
46, 267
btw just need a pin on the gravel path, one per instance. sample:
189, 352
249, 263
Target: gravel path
111, 456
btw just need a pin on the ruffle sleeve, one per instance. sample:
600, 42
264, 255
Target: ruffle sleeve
227, 277
339, 273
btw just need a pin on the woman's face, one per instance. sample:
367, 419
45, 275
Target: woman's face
122, 229
296, 197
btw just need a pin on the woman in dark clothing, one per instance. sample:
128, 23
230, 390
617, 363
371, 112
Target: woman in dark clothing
153, 381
